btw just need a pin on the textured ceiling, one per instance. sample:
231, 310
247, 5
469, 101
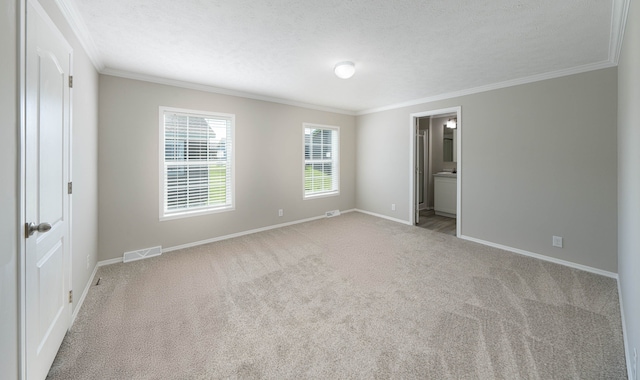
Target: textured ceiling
403, 49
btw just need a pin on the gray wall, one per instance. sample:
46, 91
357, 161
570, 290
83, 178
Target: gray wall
9, 189
629, 175
268, 166
84, 124
545, 166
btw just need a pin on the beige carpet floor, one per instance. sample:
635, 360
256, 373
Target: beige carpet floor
352, 296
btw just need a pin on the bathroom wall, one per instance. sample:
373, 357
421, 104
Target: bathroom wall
437, 131
436, 164
434, 153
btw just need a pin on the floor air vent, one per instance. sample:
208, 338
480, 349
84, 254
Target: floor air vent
331, 213
142, 254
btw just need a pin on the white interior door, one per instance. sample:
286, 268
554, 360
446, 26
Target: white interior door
47, 262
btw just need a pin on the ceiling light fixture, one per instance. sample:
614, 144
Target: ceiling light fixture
344, 70
452, 123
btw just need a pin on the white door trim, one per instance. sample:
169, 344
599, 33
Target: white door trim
412, 161
22, 246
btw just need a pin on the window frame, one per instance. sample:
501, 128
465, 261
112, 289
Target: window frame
230, 156
335, 169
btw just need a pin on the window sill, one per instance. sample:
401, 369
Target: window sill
188, 214
320, 195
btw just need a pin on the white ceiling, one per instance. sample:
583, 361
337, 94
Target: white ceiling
404, 50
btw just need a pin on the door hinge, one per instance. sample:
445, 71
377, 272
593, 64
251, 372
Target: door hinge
70, 296
70, 81
70, 188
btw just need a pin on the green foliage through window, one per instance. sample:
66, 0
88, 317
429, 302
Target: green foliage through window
321, 164
197, 164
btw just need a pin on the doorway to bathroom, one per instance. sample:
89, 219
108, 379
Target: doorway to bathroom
436, 178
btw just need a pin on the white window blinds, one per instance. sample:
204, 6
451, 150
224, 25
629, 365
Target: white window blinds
321, 160
197, 162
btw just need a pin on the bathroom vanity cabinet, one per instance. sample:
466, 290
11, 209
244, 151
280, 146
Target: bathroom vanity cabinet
445, 194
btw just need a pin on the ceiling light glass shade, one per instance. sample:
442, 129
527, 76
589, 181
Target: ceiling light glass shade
344, 70
452, 123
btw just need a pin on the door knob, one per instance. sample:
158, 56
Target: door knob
32, 228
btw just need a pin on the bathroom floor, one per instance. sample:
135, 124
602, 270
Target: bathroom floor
433, 222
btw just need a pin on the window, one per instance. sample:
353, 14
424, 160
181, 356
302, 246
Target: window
321, 160
196, 162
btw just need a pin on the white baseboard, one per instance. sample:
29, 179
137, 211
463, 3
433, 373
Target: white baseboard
117, 260
480, 241
83, 296
238, 234
543, 257
225, 237
627, 350
249, 232
99, 264
384, 217
514, 250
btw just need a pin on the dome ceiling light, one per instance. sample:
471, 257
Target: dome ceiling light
344, 70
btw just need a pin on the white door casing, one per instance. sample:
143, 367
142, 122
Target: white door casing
47, 312
412, 160
419, 169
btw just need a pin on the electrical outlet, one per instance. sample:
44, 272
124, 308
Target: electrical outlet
557, 241
393, 207
280, 212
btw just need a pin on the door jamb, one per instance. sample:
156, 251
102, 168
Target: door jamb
412, 160
22, 248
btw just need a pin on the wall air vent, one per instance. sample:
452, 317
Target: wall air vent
142, 254
331, 213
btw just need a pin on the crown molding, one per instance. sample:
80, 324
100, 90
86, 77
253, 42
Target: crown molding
619, 12
71, 14
494, 86
218, 90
